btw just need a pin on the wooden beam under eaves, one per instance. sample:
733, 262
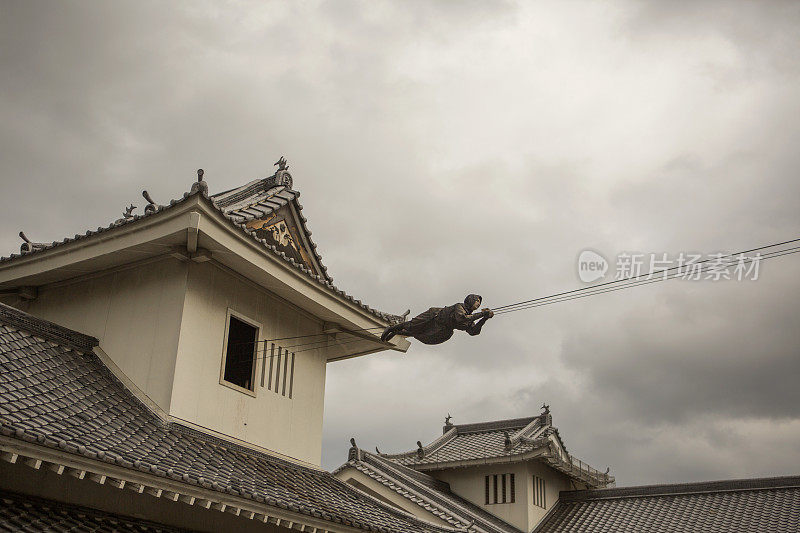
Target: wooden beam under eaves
77, 473
10, 457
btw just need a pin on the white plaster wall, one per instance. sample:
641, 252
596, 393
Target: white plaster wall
288, 426
134, 312
470, 483
554, 482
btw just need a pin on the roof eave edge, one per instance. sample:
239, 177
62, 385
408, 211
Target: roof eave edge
75, 246
416, 490
534, 454
430, 448
410, 515
47, 456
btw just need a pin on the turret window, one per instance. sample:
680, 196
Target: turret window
539, 496
239, 361
499, 488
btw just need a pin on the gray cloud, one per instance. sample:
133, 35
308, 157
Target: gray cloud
444, 148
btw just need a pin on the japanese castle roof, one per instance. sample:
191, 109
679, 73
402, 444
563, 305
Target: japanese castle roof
62, 407
259, 198
425, 491
501, 441
20, 512
768, 504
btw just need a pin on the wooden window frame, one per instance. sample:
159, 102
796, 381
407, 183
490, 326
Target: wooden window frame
254, 371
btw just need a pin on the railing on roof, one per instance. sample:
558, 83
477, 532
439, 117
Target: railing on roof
584, 471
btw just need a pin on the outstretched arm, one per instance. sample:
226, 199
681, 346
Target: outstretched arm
475, 329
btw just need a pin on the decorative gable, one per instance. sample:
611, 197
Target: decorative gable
280, 230
269, 207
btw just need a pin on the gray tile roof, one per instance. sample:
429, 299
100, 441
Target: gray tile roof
769, 505
497, 440
427, 492
58, 394
477, 441
266, 196
20, 512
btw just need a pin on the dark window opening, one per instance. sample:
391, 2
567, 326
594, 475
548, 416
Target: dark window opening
240, 353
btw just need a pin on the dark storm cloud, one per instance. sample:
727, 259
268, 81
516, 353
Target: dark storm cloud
444, 148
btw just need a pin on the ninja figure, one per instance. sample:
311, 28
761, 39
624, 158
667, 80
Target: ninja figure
437, 324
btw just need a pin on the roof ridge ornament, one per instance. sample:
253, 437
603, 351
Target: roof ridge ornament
151, 206
126, 215
546, 417
420, 450
200, 185
30, 246
355, 452
282, 176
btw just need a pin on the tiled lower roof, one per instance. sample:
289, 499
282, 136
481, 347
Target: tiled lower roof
19, 512
501, 439
427, 492
769, 505
61, 396
467, 442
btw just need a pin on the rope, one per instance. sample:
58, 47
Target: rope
584, 292
566, 296
609, 286
630, 278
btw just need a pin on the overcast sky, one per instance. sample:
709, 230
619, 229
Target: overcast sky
444, 148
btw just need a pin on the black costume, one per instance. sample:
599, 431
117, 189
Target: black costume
436, 325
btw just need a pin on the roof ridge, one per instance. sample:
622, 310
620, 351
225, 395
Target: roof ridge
698, 487
405, 470
535, 427
428, 449
240, 193
46, 329
494, 425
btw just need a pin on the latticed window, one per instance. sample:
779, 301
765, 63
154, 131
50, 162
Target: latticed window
539, 496
499, 488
